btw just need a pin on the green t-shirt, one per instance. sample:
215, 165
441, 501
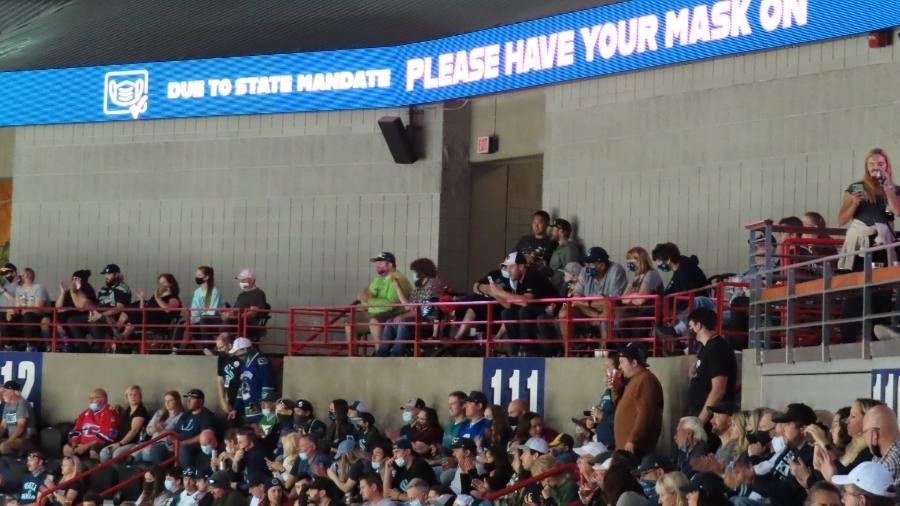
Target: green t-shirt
382, 291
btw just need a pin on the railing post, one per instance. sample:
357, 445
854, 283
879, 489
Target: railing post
143, 346
290, 333
789, 318
720, 308
865, 353
827, 273
489, 330
416, 333
568, 335
351, 344
54, 323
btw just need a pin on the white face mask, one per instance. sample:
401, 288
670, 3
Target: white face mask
244, 285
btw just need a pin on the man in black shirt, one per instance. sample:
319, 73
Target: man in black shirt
792, 472
112, 298
223, 494
407, 465
527, 285
250, 305
250, 457
538, 239
714, 376
195, 420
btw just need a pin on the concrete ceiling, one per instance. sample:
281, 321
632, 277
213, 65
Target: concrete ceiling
72, 33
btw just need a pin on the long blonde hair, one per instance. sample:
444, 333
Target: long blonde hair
671, 483
739, 425
873, 189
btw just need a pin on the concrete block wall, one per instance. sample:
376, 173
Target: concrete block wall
306, 199
692, 153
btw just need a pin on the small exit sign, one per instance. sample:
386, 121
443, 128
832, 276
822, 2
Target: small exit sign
487, 144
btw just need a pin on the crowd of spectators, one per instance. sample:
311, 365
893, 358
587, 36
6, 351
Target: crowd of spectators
268, 449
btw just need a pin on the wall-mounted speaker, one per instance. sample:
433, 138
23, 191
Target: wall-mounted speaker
398, 138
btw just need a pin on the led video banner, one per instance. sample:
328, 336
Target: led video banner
604, 40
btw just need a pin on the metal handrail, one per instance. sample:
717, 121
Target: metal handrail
139, 447
534, 479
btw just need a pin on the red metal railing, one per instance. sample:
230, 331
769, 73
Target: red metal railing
719, 293
564, 468
176, 448
333, 330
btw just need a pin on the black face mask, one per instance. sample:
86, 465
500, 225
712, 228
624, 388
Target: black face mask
762, 437
286, 421
489, 466
876, 451
332, 416
199, 281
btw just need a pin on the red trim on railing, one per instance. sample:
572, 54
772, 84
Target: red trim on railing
84, 474
534, 479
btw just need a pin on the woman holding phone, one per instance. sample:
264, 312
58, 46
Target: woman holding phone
869, 206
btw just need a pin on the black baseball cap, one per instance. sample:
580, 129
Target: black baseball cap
368, 417
797, 412
257, 479
385, 256
220, 479
273, 482
304, 405
634, 353
111, 269
562, 224
710, 483
195, 393
464, 443
403, 444
477, 396
596, 254
723, 408
654, 461
12, 385
9, 267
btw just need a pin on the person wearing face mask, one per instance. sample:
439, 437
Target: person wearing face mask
519, 307
312, 461
481, 292
192, 494
306, 422
691, 441
228, 372
162, 308
403, 467
208, 450
792, 471
408, 413
377, 303
8, 283
206, 299
154, 492
268, 422
601, 277
380, 451
567, 251
250, 305
112, 298
713, 377
645, 281
96, 427
73, 306
881, 432
256, 379
174, 485
284, 411
686, 276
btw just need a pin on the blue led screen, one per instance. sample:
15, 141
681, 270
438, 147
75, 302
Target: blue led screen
609, 39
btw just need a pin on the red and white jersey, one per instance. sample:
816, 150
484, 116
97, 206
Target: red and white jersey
91, 427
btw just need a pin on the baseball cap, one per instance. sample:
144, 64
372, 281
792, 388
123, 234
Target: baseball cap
359, 406
591, 449
477, 396
304, 405
596, 254
514, 258
287, 403
220, 479
109, 269
202, 473
797, 412
723, 408
413, 404
12, 385
346, 446
634, 353
562, 439
573, 268
196, 393
246, 273
562, 224
870, 476
464, 443
537, 444
273, 482
269, 397
653, 461
464, 500
403, 444
8, 267
368, 417
257, 479
710, 483
385, 256
240, 344
603, 466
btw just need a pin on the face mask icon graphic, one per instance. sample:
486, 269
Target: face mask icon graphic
126, 92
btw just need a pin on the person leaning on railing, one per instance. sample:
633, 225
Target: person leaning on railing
869, 206
165, 297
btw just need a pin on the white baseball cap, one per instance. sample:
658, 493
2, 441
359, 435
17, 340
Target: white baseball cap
870, 476
591, 449
538, 445
604, 466
246, 273
240, 343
